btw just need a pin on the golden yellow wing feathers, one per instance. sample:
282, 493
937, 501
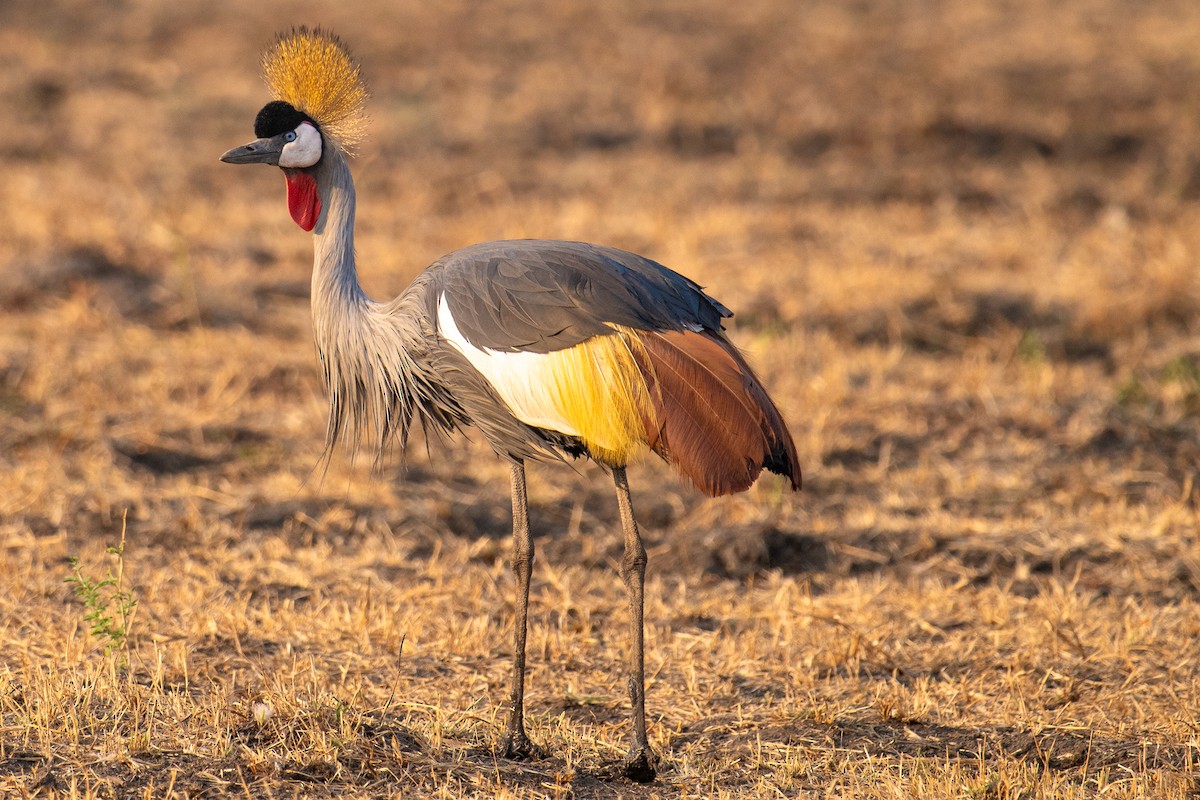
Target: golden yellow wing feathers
597, 386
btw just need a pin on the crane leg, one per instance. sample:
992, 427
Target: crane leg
516, 743
639, 762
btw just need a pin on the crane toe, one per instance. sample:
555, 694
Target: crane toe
519, 747
638, 765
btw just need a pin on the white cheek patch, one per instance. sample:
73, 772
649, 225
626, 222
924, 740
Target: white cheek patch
305, 151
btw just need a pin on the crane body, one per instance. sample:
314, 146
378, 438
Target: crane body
548, 348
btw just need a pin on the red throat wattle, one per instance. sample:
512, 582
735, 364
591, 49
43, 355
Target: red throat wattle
304, 202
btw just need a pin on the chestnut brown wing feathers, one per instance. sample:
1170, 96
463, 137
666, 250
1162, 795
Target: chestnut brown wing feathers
717, 425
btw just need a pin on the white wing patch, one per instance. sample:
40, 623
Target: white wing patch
525, 381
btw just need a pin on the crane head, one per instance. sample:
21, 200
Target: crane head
289, 139
320, 100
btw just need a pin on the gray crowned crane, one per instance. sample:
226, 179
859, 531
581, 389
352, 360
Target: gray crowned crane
548, 348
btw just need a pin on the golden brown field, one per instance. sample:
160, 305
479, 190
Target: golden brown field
961, 239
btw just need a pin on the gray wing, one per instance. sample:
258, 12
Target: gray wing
540, 296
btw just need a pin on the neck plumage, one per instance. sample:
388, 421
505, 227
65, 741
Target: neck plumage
364, 345
335, 287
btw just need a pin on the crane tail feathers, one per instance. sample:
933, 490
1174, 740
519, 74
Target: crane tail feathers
716, 423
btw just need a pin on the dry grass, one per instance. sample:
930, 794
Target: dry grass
960, 238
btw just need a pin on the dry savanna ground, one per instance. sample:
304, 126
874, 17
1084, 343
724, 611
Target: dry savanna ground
961, 239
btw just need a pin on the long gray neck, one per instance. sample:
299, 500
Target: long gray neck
363, 344
335, 284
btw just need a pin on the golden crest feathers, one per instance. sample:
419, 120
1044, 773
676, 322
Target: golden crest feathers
310, 69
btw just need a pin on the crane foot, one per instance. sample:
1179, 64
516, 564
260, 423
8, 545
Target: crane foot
519, 747
639, 765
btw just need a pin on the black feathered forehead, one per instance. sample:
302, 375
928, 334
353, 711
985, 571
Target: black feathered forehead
278, 117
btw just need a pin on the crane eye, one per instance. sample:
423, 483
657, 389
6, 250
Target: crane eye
301, 147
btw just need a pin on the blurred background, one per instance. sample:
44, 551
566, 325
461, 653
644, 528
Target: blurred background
960, 240
958, 237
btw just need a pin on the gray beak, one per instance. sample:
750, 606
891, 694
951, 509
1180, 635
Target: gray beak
260, 151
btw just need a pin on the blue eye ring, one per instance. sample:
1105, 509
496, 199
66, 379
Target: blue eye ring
290, 136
